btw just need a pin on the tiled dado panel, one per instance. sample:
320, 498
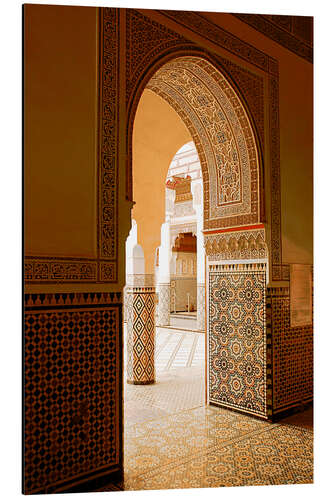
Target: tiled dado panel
292, 353
237, 337
72, 389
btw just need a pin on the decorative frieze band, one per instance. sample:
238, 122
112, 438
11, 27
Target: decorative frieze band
108, 137
252, 266
140, 280
71, 299
199, 24
236, 245
59, 270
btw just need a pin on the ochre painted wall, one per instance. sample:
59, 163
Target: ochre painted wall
158, 134
296, 139
60, 123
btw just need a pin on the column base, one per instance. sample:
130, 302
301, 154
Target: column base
148, 382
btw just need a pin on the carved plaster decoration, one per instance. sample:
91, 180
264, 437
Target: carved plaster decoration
236, 245
189, 227
222, 133
251, 86
183, 209
175, 230
103, 269
140, 280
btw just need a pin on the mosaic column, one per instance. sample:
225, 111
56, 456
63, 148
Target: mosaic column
200, 306
141, 334
163, 306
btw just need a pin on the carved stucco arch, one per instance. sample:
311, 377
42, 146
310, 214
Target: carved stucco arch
223, 134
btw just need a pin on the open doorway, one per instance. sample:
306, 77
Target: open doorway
176, 381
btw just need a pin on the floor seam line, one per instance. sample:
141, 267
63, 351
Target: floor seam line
174, 353
158, 351
192, 352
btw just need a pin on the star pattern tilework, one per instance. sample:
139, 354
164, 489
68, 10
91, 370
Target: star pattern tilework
237, 343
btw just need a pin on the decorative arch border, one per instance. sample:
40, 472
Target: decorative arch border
219, 116
249, 85
246, 210
166, 45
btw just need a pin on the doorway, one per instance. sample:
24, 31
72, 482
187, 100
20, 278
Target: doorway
177, 273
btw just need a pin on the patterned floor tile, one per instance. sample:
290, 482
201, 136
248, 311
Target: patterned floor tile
172, 440
173, 391
270, 454
177, 437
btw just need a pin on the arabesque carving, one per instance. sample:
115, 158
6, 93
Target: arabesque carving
236, 245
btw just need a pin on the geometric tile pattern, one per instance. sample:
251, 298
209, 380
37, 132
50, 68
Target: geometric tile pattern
237, 337
292, 353
168, 445
174, 391
72, 390
213, 447
141, 335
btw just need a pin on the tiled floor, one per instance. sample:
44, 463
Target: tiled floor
180, 383
212, 447
172, 440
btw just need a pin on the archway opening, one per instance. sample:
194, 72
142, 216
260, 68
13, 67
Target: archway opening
168, 193
192, 219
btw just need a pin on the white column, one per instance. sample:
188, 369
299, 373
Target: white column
163, 277
200, 264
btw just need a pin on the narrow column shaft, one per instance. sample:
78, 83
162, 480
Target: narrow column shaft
141, 335
163, 307
200, 306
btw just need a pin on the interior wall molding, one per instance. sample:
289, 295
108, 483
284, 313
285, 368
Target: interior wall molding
197, 23
103, 269
294, 33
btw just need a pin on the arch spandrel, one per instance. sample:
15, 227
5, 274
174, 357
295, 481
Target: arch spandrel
223, 136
